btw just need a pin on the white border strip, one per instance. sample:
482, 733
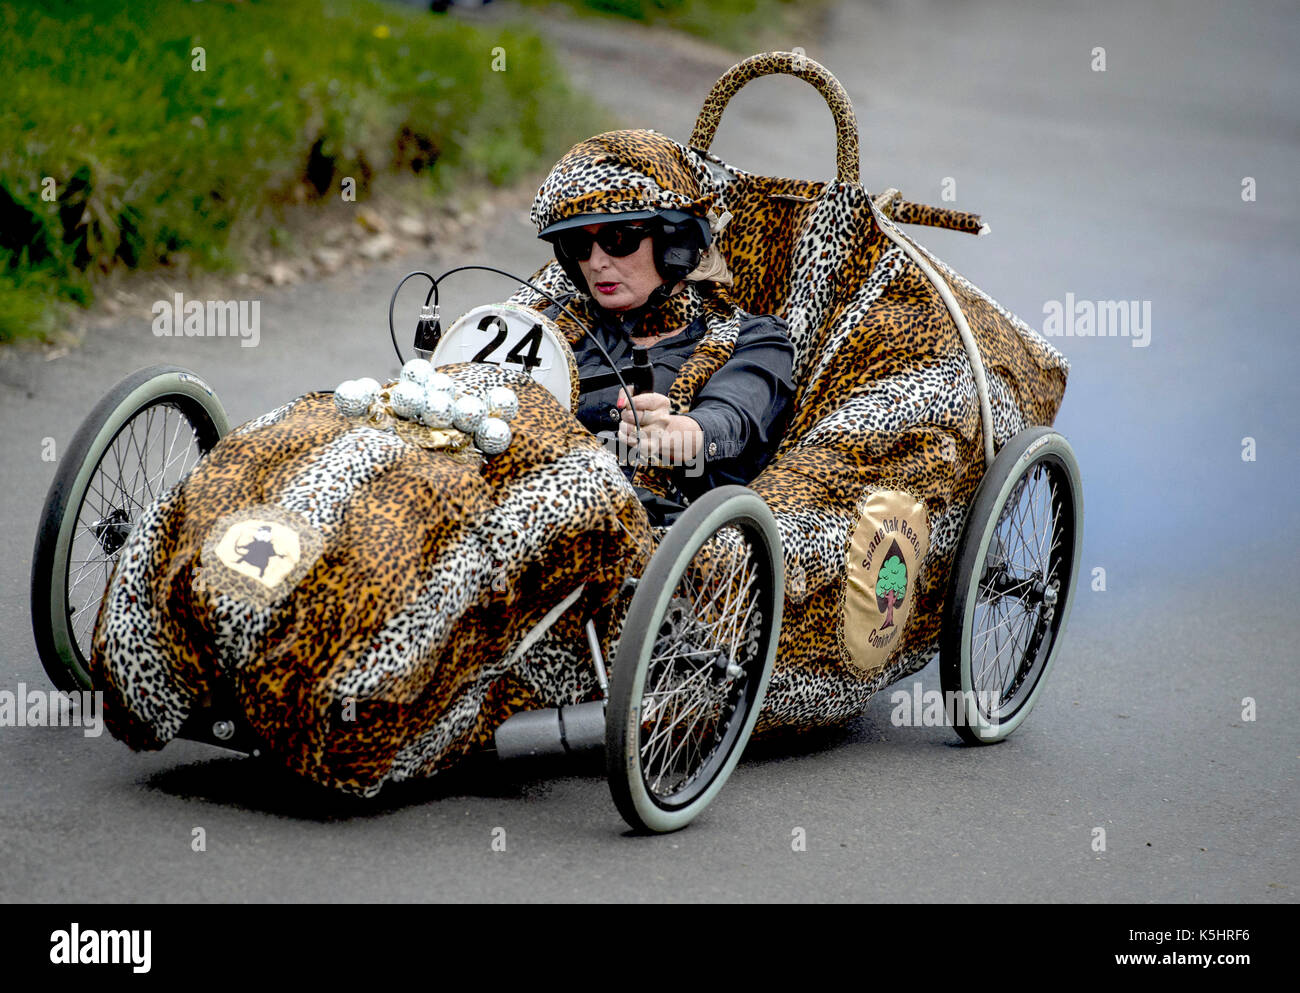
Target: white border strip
967, 338
542, 626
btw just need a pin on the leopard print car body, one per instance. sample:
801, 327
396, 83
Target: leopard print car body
886, 401
396, 653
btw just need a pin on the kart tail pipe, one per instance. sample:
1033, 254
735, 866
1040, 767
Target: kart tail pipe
564, 731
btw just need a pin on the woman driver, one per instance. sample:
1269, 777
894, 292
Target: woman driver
634, 232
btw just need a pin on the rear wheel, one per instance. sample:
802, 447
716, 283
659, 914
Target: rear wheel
1012, 585
694, 659
142, 438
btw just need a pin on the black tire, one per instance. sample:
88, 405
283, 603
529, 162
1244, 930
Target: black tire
728, 674
116, 438
1014, 576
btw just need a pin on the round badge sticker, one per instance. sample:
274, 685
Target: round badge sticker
258, 554
889, 544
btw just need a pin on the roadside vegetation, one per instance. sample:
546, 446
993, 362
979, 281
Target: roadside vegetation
145, 135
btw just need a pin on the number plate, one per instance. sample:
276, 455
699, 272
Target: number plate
511, 337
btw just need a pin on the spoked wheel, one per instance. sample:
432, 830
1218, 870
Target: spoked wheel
1012, 584
694, 659
142, 438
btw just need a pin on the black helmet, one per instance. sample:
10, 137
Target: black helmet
680, 241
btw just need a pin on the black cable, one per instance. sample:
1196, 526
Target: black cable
392, 331
433, 296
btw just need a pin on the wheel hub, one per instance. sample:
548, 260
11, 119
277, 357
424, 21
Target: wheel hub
112, 531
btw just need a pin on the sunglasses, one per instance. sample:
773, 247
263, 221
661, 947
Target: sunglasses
617, 240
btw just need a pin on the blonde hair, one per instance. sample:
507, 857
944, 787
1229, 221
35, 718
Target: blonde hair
713, 267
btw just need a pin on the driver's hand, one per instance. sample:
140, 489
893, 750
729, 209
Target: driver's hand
664, 437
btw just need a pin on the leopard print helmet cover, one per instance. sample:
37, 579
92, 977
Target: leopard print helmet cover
624, 172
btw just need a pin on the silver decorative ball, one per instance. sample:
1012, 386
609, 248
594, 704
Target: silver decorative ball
416, 371
407, 400
352, 398
371, 387
469, 413
493, 436
439, 409
503, 403
440, 382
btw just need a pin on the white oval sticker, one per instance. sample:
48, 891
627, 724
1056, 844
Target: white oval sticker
510, 336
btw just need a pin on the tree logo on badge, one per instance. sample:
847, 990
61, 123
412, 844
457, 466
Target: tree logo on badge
891, 584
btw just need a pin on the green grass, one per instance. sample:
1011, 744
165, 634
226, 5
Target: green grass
156, 164
744, 26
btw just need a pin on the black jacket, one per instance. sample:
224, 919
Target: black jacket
742, 409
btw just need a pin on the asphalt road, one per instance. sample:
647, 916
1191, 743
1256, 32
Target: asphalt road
1122, 184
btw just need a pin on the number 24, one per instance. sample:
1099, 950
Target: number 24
533, 339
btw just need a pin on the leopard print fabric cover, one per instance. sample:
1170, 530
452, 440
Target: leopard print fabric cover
905, 212
620, 172
885, 400
434, 570
792, 64
394, 655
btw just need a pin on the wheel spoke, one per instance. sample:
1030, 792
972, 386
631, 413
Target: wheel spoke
1010, 622
155, 449
688, 691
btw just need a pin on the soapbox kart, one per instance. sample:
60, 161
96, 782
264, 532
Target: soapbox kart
367, 595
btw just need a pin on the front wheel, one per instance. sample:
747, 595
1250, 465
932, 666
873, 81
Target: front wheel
694, 659
142, 438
